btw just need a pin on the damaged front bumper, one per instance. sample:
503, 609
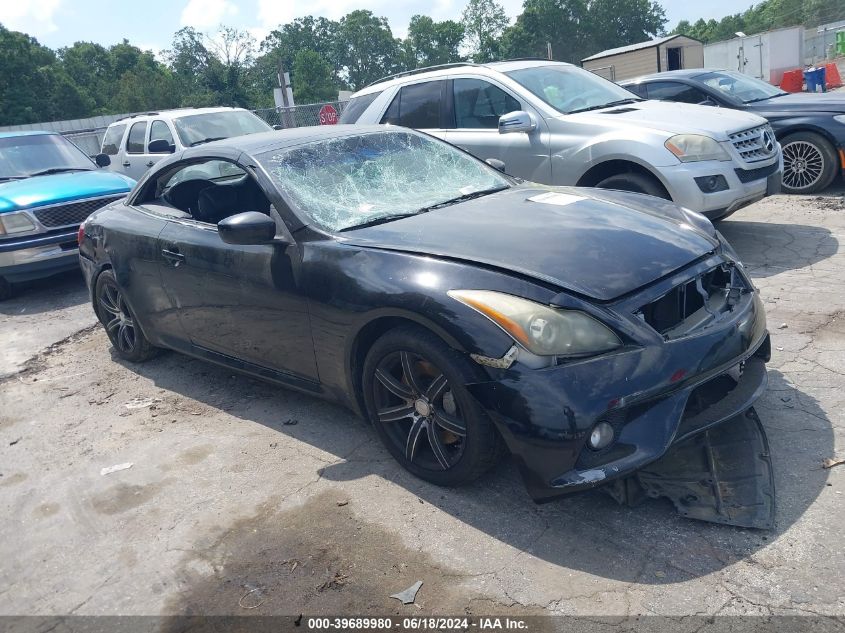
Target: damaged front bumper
655, 396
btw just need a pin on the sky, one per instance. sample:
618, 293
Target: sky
150, 24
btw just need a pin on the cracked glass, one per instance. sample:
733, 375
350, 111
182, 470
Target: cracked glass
345, 182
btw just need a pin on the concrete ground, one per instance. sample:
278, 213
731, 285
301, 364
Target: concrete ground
243, 498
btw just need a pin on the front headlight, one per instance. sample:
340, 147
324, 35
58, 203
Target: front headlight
690, 148
13, 223
840, 118
541, 330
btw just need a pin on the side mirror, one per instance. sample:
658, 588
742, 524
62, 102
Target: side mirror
160, 146
102, 160
250, 227
495, 163
278, 127
518, 121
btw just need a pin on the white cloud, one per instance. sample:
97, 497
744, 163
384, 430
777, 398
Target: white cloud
34, 17
207, 14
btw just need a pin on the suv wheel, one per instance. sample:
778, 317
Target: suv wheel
636, 183
809, 163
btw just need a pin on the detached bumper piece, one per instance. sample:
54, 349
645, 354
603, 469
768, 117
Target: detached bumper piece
723, 475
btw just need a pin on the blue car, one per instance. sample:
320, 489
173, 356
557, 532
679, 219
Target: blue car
48, 186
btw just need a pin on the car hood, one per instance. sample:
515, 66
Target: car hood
672, 118
599, 244
39, 191
801, 102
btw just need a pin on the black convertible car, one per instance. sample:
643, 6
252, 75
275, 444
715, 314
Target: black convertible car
601, 337
810, 127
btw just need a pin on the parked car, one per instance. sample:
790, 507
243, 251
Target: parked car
134, 144
810, 127
457, 308
558, 124
47, 187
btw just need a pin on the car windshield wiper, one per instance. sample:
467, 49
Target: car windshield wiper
379, 220
780, 94
610, 104
208, 140
467, 196
56, 170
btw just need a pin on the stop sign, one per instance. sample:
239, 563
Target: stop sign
328, 115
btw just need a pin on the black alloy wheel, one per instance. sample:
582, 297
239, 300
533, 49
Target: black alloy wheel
415, 395
119, 321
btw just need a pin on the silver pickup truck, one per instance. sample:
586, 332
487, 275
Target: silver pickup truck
558, 124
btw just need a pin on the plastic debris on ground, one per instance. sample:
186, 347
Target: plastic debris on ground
410, 594
108, 470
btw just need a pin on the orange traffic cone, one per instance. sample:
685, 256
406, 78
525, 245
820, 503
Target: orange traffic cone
831, 75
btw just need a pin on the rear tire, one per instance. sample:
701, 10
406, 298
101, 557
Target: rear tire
636, 183
809, 163
119, 321
416, 399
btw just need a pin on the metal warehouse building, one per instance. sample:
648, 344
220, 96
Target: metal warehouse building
674, 52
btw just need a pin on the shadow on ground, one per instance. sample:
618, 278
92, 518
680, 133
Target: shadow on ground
768, 249
46, 295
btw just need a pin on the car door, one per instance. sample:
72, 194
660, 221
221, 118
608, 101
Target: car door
419, 106
474, 106
239, 301
133, 162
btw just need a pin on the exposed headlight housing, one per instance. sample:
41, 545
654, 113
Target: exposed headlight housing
541, 330
690, 148
14, 223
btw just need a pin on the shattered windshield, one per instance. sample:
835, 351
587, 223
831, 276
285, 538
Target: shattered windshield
356, 180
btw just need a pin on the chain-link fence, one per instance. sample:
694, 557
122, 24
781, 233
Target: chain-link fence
301, 116
87, 134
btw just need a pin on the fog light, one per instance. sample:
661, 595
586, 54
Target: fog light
601, 436
711, 184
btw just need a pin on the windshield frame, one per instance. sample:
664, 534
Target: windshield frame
68, 148
615, 92
307, 218
187, 140
737, 76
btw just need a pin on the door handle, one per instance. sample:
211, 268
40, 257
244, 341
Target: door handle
150, 163
174, 257
126, 163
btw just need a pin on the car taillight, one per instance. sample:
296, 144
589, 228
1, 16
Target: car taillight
80, 235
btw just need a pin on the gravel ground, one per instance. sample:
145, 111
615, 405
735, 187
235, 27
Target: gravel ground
245, 498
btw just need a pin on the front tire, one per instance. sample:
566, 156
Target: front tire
119, 321
415, 397
636, 183
809, 163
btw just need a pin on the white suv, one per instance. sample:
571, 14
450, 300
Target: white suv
134, 144
555, 123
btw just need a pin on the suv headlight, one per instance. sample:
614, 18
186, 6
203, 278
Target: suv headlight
689, 148
14, 223
541, 330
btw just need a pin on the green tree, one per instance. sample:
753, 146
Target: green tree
313, 79
24, 77
430, 43
484, 22
366, 49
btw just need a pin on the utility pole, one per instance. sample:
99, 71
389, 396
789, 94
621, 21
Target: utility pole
549, 50
283, 97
